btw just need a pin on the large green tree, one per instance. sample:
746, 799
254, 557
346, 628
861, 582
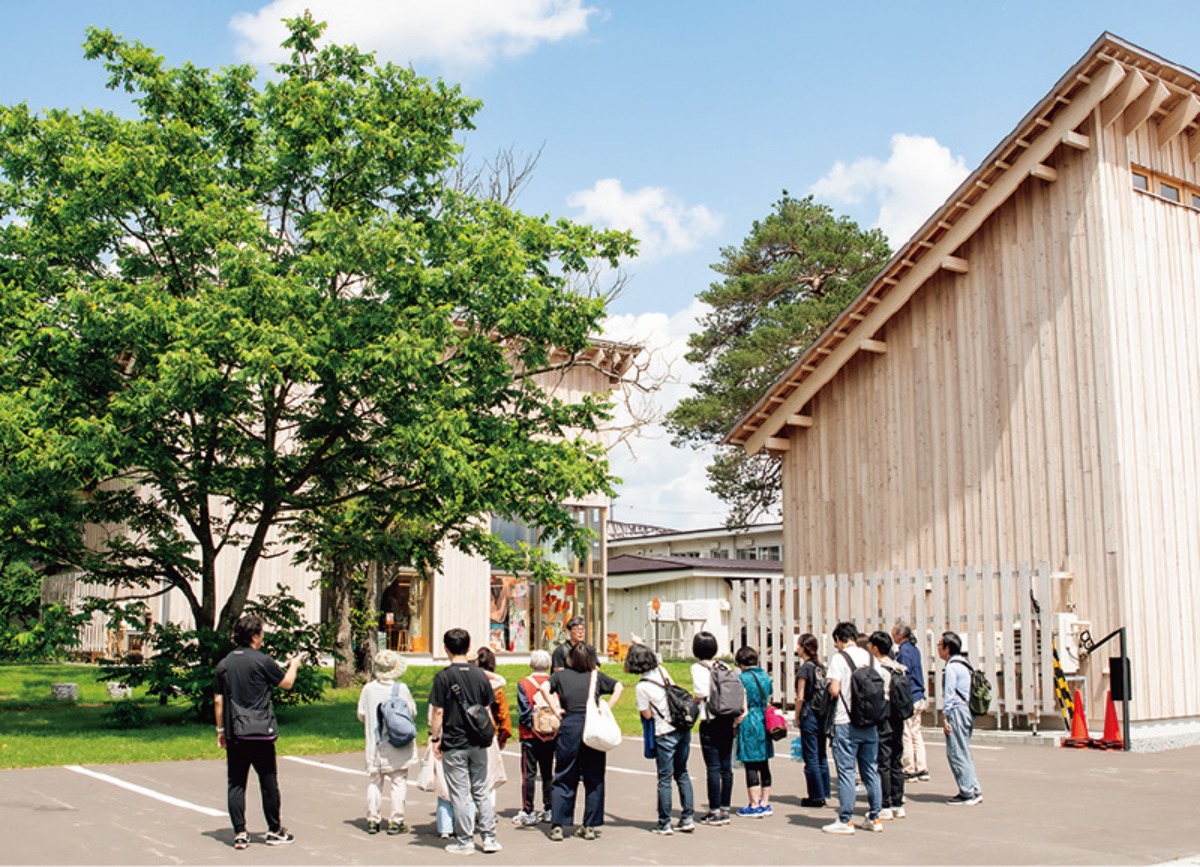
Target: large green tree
790, 277
253, 313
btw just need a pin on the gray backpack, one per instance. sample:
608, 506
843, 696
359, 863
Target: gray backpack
395, 720
726, 695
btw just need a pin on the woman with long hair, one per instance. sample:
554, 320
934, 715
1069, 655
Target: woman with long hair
812, 727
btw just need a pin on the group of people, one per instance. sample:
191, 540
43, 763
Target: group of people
737, 723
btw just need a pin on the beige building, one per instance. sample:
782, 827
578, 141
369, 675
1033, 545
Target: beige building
1021, 383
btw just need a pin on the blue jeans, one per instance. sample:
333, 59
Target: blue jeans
716, 745
816, 763
958, 751
671, 758
851, 744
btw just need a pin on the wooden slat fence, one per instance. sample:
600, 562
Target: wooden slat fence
1003, 615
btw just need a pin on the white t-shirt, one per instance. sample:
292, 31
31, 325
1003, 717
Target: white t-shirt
839, 670
654, 699
701, 685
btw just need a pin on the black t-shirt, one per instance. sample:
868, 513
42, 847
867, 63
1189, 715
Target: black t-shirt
572, 688
475, 689
244, 679
558, 660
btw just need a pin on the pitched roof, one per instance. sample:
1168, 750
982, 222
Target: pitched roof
626, 563
1114, 75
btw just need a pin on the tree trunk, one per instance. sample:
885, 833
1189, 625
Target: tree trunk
341, 605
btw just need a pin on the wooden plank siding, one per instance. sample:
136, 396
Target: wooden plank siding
1039, 408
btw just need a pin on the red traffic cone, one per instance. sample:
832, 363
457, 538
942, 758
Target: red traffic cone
1080, 739
1112, 739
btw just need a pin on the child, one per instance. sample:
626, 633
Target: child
537, 753
384, 761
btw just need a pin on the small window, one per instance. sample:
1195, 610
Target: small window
1195, 200
1141, 182
1170, 192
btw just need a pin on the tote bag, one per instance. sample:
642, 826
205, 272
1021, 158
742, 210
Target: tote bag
600, 729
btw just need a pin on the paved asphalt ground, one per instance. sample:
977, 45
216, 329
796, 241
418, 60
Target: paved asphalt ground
1041, 806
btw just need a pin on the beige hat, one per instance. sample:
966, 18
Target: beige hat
389, 665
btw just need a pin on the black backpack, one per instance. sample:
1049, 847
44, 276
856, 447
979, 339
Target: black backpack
726, 694
681, 707
900, 696
817, 694
868, 706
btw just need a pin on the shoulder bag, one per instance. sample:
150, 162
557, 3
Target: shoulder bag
600, 729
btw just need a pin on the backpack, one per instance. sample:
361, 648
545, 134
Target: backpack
726, 695
477, 719
979, 702
868, 706
900, 698
680, 704
395, 720
545, 722
819, 700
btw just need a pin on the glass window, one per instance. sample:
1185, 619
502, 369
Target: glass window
1195, 200
1169, 192
1141, 182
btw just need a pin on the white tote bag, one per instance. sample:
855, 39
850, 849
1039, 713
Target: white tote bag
600, 729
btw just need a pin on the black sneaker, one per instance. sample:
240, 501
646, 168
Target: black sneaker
961, 800
395, 828
372, 827
812, 802
241, 841
279, 838
712, 818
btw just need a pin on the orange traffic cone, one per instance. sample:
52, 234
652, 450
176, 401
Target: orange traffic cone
1112, 739
1080, 739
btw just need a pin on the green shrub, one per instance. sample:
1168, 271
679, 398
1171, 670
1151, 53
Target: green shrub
127, 714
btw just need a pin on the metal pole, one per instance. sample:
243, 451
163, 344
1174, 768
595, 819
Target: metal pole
1125, 692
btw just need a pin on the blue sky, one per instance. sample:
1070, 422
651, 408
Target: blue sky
681, 120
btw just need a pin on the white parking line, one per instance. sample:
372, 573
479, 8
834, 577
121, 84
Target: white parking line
324, 765
142, 790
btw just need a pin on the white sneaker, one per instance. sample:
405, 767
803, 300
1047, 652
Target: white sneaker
898, 813
490, 845
886, 814
873, 825
523, 818
545, 816
838, 827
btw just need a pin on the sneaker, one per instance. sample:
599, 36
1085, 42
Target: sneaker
523, 818
964, 800
686, 826
490, 845
372, 827
586, 833
923, 776
663, 830
725, 820
886, 814
873, 825
395, 828
445, 836
241, 841
556, 833
457, 848
765, 810
712, 818
545, 816
748, 812
838, 827
812, 802
279, 838
898, 813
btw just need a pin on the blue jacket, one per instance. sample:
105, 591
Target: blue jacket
910, 657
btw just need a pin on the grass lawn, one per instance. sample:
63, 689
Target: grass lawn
36, 731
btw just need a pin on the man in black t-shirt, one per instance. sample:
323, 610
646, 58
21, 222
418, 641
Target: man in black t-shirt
464, 763
246, 727
576, 634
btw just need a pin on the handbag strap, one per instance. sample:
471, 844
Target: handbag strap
592, 697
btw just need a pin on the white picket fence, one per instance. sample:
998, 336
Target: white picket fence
992, 609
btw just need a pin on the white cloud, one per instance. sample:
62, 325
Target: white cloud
915, 179
661, 222
662, 485
457, 33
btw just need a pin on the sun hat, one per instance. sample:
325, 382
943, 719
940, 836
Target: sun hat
389, 665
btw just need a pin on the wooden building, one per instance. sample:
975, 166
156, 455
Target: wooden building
1021, 383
